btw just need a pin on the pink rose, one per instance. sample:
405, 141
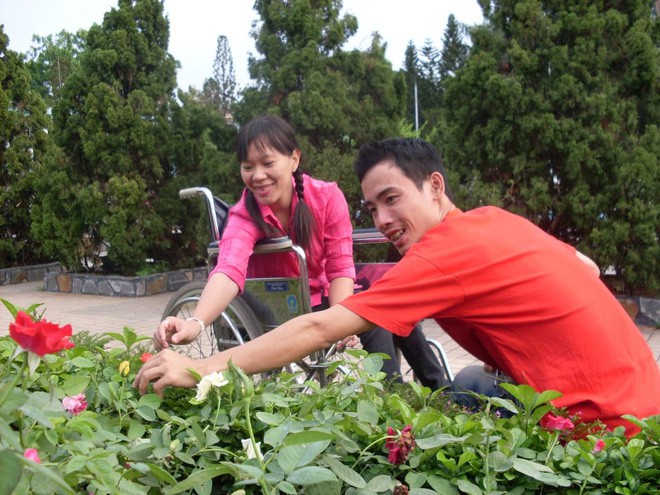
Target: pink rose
33, 455
600, 445
552, 422
75, 404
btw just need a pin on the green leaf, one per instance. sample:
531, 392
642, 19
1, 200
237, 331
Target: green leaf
422, 491
82, 362
367, 412
499, 462
198, 478
504, 403
150, 400
381, 483
546, 396
442, 485
470, 488
269, 418
286, 487
76, 384
291, 457
308, 436
531, 469
310, 475
160, 474
147, 413
373, 363
438, 441
416, 480
135, 430
47, 476
10, 467
345, 473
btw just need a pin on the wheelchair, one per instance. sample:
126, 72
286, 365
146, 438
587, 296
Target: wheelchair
265, 303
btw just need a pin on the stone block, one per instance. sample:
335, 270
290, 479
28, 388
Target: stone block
631, 305
650, 309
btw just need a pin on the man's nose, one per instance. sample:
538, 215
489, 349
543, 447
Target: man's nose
382, 219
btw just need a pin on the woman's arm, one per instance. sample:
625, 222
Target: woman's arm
219, 291
340, 288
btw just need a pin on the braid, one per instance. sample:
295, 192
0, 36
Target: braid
255, 214
303, 219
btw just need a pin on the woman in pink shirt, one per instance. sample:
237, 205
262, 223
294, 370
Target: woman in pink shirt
279, 199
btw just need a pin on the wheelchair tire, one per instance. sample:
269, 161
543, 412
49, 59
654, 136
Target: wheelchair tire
236, 325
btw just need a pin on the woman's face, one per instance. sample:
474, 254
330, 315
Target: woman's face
267, 173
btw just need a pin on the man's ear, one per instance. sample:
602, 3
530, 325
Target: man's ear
437, 184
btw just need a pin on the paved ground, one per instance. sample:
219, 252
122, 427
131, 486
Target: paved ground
111, 314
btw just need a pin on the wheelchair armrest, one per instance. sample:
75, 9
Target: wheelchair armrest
273, 245
368, 236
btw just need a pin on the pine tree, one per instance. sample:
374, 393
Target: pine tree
554, 116
50, 60
23, 142
223, 73
112, 126
454, 51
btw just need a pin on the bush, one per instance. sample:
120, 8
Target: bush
73, 422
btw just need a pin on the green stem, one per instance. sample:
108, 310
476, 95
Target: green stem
10, 387
248, 421
386, 437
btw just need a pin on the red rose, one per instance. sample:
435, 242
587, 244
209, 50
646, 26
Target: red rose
40, 337
146, 356
399, 446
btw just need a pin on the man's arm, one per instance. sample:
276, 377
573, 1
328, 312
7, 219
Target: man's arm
589, 262
286, 344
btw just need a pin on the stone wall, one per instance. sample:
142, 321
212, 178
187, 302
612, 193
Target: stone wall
115, 285
32, 273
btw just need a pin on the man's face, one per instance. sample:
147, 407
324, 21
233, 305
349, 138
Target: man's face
401, 211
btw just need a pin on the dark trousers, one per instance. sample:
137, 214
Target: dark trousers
421, 358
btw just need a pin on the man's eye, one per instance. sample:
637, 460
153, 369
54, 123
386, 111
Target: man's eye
390, 199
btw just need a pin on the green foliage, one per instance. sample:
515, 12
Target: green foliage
102, 187
546, 117
51, 60
274, 437
23, 142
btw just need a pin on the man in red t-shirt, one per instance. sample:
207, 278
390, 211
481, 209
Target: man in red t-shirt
513, 296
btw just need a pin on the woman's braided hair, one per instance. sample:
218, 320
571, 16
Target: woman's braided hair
269, 131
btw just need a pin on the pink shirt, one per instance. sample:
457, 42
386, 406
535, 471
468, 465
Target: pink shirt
331, 246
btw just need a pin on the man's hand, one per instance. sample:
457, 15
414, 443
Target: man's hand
165, 369
173, 330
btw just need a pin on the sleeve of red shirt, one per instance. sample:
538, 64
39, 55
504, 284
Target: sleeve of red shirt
405, 295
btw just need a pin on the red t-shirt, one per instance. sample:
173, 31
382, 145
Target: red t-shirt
522, 301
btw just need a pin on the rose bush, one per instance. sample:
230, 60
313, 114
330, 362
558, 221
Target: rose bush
233, 435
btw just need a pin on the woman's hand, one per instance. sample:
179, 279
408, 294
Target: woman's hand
350, 341
173, 330
166, 369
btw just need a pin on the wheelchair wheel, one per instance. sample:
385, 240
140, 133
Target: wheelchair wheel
236, 325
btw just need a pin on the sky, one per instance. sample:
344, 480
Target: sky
196, 24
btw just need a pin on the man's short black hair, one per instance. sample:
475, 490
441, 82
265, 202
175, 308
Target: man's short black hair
416, 158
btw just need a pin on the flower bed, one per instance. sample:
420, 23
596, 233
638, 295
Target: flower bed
71, 422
